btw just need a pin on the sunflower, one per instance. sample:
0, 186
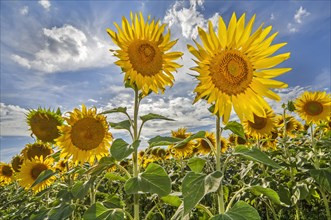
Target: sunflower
262, 126
17, 162
37, 149
6, 174
85, 137
30, 171
313, 106
142, 53
236, 68
292, 125
204, 145
184, 150
224, 144
43, 124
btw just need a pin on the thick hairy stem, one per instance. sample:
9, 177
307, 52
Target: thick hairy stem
218, 164
135, 153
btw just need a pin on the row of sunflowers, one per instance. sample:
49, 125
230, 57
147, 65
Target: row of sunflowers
269, 166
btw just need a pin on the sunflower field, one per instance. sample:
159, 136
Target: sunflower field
264, 166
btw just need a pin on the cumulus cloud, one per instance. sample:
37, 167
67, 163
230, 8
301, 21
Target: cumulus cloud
66, 48
291, 28
46, 4
24, 10
300, 13
12, 120
187, 19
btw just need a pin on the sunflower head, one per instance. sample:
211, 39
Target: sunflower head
235, 68
143, 53
17, 162
313, 106
6, 174
30, 171
37, 149
292, 125
262, 126
224, 144
43, 124
206, 144
85, 137
185, 150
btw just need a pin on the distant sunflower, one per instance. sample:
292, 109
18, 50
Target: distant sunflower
204, 145
186, 149
313, 106
235, 68
224, 144
17, 162
37, 149
292, 125
86, 137
262, 126
43, 124
6, 174
142, 54
30, 171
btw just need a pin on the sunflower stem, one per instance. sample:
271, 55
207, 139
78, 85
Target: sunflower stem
218, 164
313, 143
135, 153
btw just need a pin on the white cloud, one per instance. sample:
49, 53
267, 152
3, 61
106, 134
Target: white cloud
24, 10
322, 80
272, 16
291, 28
67, 48
12, 120
187, 19
20, 60
300, 13
46, 4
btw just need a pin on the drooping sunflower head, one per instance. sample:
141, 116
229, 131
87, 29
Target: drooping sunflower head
313, 106
224, 144
43, 124
206, 144
17, 162
30, 171
142, 54
6, 174
85, 137
185, 150
235, 68
262, 126
291, 127
36, 149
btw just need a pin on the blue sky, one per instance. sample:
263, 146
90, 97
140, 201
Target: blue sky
55, 54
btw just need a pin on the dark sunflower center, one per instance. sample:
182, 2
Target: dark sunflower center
7, 171
37, 169
241, 140
231, 72
45, 127
16, 163
204, 144
259, 122
87, 133
145, 57
313, 108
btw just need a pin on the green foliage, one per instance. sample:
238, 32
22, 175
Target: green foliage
196, 164
240, 211
153, 180
236, 128
121, 149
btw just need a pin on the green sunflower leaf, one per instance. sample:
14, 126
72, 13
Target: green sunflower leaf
196, 164
99, 212
195, 186
152, 116
197, 135
153, 180
255, 155
121, 125
322, 177
44, 175
271, 194
116, 110
240, 211
162, 141
236, 128
120, 149
172, 200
